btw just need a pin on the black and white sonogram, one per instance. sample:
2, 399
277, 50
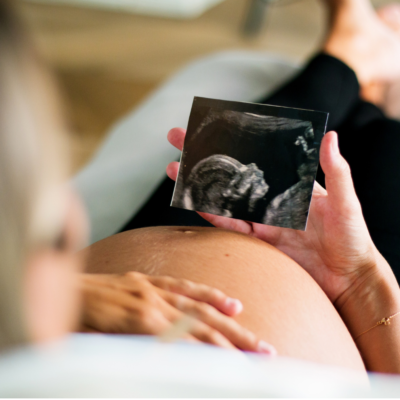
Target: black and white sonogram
250, 161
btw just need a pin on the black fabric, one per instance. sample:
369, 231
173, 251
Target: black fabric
325, 84
367, 139
157, 211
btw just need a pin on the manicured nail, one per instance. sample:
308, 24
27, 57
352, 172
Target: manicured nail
234, 305
266, 348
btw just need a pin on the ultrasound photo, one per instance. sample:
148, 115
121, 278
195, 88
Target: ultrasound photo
249, 161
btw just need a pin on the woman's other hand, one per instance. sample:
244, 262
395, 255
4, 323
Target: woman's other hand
336, 249
140, 304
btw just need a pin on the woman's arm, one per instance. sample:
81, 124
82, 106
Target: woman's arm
366, 310
338, 252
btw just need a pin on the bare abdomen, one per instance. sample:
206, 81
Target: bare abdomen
282, 303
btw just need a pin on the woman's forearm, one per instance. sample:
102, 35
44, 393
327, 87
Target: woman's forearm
376, 297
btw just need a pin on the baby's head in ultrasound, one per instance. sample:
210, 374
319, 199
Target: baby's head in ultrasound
222, 185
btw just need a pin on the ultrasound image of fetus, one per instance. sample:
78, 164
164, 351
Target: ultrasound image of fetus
290, 209
250, 162
222, 185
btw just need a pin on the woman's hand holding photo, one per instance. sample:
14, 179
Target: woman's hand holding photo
338, 252
336, 249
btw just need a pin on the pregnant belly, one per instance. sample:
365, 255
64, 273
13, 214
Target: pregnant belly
282, 303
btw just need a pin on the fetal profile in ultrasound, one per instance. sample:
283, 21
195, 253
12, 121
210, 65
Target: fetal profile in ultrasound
250, 161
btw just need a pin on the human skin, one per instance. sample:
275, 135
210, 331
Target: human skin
136, 303
338, 252
283, 305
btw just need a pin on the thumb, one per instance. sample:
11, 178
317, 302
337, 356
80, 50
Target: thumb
338, 180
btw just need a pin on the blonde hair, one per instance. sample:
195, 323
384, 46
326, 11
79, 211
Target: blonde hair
32, 166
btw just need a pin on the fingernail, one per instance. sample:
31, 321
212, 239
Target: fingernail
234, 305
266, 348
335, 144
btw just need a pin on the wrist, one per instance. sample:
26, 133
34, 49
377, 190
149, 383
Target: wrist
374, 295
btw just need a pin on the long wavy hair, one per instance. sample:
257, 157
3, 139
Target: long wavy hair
32, 166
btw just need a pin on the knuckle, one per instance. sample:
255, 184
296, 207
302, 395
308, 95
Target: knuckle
150, 296
148, 319
215, 294
133, 275
202, 309
185, 284
213, 336
161, 279
165, 282
178, 301
141, 313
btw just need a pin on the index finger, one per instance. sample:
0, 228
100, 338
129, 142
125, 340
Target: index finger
176, 137
199, 292
230, 224
237, 335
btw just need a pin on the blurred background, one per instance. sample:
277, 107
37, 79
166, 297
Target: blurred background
110, 54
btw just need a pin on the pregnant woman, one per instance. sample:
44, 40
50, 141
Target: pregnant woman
327, 294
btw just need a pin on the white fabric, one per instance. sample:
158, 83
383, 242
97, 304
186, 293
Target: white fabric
132, 161
134, 366
161, 8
